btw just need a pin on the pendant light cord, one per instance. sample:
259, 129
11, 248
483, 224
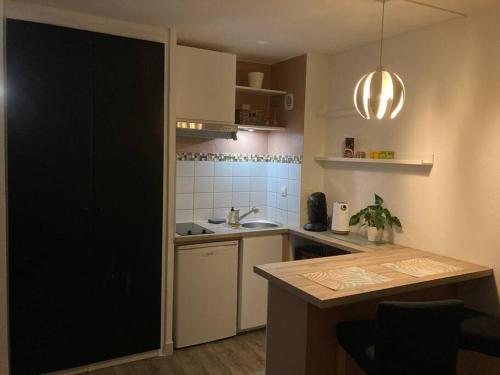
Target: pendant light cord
382, 34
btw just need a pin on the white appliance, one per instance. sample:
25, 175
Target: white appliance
340, 218
252, 301
205, 305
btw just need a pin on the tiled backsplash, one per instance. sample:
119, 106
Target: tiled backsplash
209, 156
208, 189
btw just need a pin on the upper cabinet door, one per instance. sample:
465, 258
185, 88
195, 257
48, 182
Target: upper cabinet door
205, 85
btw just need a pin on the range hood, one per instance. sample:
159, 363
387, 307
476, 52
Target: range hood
202, 129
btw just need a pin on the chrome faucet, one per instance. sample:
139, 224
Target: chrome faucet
234, 215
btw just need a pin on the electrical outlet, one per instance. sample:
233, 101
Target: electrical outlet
284, 191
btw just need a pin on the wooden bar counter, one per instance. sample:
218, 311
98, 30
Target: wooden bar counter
302, 314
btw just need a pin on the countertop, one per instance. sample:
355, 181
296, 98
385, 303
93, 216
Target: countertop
352, 242
288, 275
223, 232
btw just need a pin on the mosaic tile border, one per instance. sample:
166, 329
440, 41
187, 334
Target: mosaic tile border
198, 156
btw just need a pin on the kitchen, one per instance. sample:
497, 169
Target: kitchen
220, 221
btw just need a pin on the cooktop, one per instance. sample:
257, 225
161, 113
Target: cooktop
190, 229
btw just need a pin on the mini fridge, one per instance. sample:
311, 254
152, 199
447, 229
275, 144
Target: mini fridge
206, 292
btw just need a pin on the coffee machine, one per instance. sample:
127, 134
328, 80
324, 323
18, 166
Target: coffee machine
316, 211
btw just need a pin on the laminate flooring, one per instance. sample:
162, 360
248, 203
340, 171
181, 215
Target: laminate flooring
240, 355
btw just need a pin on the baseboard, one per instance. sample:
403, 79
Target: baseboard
168, 349
109, 363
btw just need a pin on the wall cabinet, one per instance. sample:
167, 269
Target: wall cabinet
85, 167
252, 296
205, 85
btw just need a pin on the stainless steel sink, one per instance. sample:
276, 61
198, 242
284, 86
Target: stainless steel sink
260, 224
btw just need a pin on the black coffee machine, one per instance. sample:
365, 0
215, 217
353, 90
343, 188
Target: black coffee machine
316, 211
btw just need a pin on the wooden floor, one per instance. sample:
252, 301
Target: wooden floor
240, 355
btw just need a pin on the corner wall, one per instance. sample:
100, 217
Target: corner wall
289, 76
452, 77
316, 93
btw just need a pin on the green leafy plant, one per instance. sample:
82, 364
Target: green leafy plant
375, 215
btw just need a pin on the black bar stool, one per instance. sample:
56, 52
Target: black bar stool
407, 338
480, 333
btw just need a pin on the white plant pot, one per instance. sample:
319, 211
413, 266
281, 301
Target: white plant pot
255, 79
374, 234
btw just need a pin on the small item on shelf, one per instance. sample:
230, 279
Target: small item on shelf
374, 155
386, 154
275, 117
257, 117
360, 155
349, 148
242, 116
250, 117
255, 79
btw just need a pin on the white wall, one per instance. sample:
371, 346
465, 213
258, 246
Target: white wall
452, 77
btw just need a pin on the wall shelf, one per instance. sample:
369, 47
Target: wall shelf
422, 160
338, 113
261, 128
264, 92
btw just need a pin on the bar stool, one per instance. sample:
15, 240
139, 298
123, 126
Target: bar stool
407, 338
480, 333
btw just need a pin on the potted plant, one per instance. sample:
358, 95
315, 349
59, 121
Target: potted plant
377, 218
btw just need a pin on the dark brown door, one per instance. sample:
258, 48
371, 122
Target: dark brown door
49, 116
127, 191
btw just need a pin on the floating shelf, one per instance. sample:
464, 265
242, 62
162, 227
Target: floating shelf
338, 113
261, 128
264, 92
423, 160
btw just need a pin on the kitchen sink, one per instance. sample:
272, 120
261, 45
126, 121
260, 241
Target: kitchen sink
260, 224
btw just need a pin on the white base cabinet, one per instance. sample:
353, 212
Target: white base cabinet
252, 296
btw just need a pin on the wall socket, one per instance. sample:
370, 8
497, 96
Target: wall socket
284, 191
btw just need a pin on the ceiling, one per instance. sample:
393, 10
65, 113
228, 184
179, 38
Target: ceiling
273, 30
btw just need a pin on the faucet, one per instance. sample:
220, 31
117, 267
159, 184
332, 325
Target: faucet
235, 218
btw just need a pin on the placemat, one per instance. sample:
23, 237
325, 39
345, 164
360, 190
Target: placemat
345, 278
421, 267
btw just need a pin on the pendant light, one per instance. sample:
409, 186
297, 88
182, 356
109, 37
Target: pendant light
379, 94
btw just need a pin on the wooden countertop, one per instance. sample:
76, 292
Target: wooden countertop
224, 233
328, 238
227, 234
288, 275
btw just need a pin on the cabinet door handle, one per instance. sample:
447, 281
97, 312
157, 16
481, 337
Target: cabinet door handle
210, 253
